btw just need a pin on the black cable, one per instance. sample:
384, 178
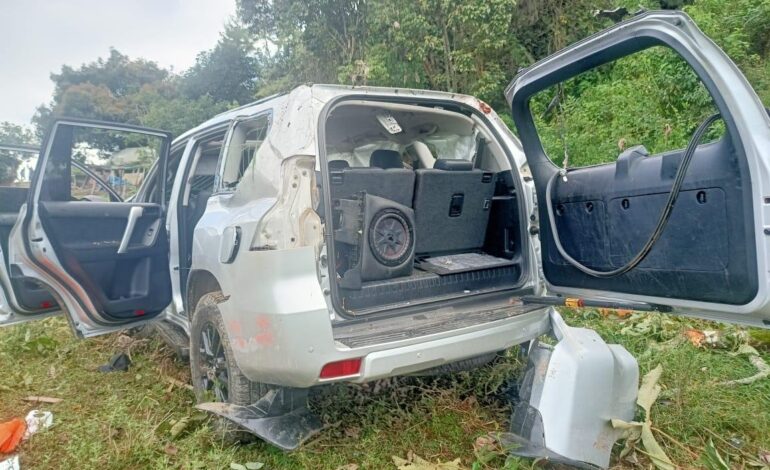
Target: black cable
662, 221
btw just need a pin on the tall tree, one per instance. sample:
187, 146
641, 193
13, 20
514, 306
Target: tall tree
306, 40
228, 72
134, 91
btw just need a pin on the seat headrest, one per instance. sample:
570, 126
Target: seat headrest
386, 159
453, 165
338, 165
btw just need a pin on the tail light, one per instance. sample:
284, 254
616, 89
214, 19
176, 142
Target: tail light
338, 369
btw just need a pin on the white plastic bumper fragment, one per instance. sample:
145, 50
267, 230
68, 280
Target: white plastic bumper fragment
568, 396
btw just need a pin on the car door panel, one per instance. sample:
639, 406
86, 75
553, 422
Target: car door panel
86, 237
106, 261
605, 214
24, 296
712, 257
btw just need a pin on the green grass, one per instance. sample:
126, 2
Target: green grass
123, 420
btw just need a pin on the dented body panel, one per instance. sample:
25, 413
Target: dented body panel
277, 307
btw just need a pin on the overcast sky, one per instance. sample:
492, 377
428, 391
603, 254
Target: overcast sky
38, 36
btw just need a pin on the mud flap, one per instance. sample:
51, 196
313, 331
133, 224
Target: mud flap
281, 417
569, 394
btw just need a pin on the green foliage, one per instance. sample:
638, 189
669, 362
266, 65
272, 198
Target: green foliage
651, 98
465, 46
137, 91
9, 161
226, 73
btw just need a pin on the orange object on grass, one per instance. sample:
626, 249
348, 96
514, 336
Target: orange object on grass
11, 433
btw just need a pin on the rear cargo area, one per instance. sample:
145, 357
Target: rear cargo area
423, 206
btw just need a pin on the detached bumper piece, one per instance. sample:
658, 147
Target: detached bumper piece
568, 396
281, 417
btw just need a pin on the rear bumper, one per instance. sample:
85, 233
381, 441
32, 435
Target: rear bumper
291, 350
569, 395
429, 353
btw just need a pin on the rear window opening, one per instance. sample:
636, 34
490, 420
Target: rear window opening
423, 207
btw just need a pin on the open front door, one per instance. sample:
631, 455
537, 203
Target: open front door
684, 227
104, 259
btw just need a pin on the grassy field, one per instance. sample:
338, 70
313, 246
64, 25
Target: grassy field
132, 419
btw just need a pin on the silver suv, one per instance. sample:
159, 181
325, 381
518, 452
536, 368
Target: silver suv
349, 234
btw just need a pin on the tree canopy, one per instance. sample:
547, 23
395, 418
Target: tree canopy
465, 46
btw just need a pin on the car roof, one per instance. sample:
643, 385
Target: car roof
323, 92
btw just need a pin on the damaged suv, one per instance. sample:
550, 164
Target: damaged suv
350, 234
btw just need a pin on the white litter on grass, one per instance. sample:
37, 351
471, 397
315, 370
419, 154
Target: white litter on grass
763, 369
10, 464
37, 421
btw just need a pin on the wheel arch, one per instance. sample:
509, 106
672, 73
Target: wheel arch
199, 283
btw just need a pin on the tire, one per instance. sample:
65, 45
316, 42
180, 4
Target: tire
215, 375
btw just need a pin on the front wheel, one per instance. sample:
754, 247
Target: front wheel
215, 375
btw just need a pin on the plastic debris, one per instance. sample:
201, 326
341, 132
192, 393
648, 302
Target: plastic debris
11, 433
10, 464
118, 363
37, 420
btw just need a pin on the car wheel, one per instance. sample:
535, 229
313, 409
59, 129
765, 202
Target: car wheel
215, 375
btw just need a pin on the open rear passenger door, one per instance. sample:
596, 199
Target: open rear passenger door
104, 259
712, 255
23, 299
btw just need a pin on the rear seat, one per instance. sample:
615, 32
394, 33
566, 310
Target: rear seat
451, 204
384, 177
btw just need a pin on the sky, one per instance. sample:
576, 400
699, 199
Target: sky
37, 37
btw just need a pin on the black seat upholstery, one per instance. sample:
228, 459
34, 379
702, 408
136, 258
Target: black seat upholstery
451, 204
452, 165
385, 177
386, 159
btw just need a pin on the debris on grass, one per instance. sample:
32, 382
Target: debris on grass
763, 369
118, 363
11, 463
654, 327
11, 433
617, 312
41, 399
178, 383
695, 337
634, 431
415, 462
176, 428
36, 421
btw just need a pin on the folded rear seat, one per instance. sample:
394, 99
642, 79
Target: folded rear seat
384, 177
451, 204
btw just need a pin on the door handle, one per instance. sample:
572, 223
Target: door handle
133, 215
